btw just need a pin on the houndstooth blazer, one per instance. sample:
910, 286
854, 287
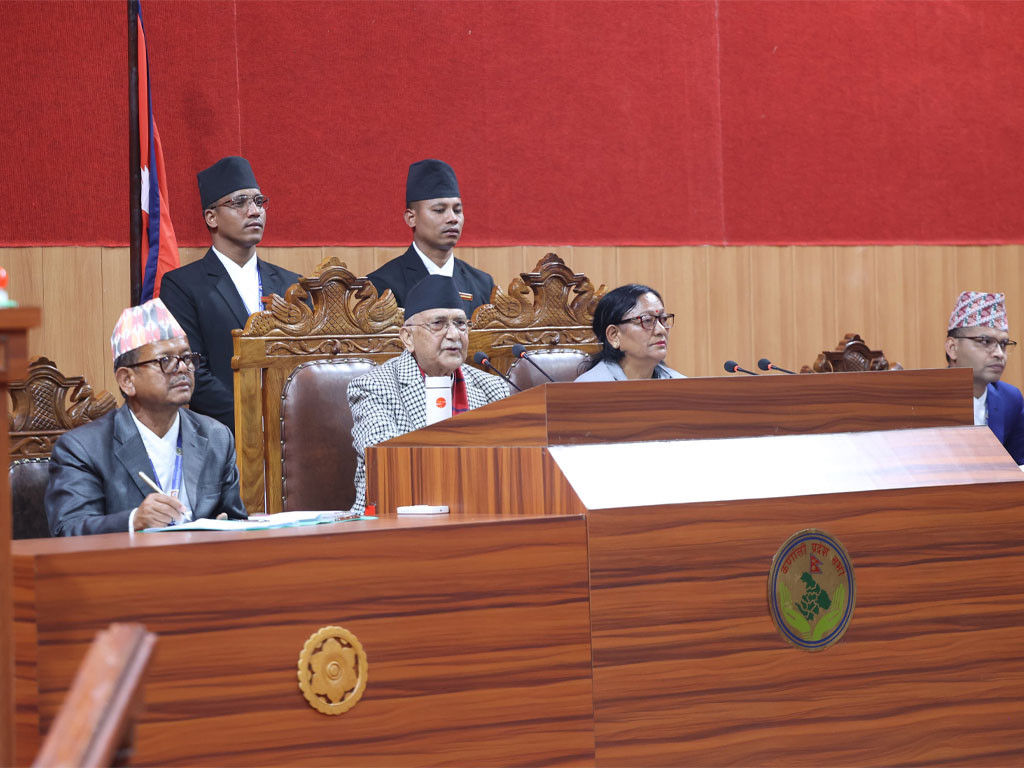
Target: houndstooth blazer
390, 401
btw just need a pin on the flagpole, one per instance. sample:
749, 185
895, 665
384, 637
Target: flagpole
134, 161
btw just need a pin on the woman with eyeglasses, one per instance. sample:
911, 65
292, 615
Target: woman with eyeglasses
631, 324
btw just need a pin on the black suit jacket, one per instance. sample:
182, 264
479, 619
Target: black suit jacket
203, 299
94, 473
402, 273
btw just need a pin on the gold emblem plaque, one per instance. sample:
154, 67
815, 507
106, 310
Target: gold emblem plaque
332, 670
811, 590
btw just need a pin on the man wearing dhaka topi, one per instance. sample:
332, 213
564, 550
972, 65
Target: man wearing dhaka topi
978, 338
152, 462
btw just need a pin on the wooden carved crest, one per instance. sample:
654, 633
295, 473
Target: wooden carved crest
552, 296
851, 354
47, 404
331, 312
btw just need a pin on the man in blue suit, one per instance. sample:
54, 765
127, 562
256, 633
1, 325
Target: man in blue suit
978, 338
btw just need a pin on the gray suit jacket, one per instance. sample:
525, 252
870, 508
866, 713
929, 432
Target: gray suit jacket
94, 473
390, 400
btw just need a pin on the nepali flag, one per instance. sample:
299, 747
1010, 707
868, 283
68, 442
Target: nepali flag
159, 247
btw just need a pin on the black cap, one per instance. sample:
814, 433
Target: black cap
432, 292
430, 179
227, 175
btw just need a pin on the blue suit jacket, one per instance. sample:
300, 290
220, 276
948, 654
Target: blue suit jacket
94, 473
1006, 417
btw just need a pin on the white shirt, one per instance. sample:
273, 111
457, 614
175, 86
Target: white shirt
447, 269
981, 409
246, 280
162, 452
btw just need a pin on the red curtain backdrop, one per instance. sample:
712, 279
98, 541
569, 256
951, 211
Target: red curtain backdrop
590, 122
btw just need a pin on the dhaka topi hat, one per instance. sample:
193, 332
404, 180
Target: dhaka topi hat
141, 325
976, 308
430, 179
227, 175
432, 292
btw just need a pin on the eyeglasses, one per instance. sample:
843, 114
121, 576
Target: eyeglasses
647, 321
241, 203
441, 325
987, 342
170, 363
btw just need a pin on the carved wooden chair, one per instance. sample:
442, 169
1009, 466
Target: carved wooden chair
851, 354
329, 315
318, 460
346, 319
43, 407
550, 308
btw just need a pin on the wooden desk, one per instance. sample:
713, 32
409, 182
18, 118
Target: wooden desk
477, 635
14, 326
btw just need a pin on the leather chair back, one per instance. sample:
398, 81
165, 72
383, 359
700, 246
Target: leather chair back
559, 364
28, 478
318, 462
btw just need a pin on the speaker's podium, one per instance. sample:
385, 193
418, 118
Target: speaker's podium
784, 570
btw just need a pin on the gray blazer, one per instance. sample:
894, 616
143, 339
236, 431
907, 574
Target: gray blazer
609, 371
94, 473
390, 400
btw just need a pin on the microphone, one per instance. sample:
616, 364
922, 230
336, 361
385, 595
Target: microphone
520, 351
767, 365
480, 358
732, 366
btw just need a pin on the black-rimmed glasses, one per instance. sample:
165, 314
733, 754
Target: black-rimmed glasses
241, 203
441, 325
170, 363
647, 321
987, 342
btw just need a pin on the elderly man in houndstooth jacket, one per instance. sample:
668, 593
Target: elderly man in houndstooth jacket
392, 399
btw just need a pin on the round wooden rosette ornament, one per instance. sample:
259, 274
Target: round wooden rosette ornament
812, 590
332, 670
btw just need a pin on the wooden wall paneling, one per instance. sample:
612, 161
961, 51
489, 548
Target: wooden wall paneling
600, 265
773, 306
25, 285
685, 276
896, 299
360, 261
856, 302
503, 264
814, 288
300, 260
383, 255
76, 339
116, 297
188, 255
729, 328
936, 296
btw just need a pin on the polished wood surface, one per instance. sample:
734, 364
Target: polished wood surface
14, 328
690, 670
694, 409
96, 721
787, 303
476, 634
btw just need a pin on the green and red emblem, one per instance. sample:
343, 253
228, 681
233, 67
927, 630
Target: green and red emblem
811, 590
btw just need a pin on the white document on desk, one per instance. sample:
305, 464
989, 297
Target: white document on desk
280, 520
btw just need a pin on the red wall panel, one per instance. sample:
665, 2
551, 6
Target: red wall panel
585, 122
